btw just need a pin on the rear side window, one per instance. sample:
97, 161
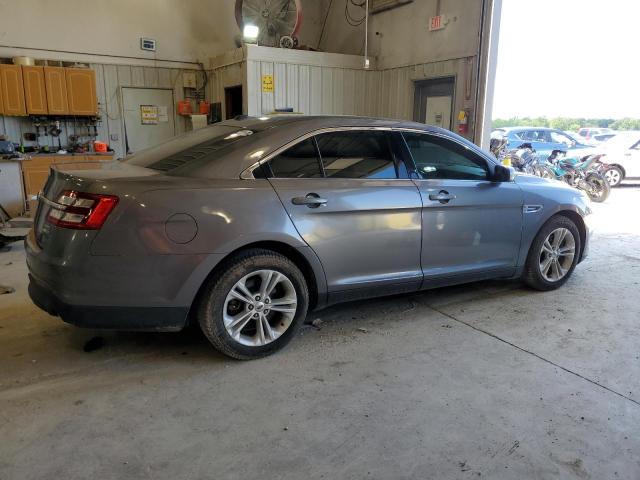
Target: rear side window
438, 158
357, 154
299, 161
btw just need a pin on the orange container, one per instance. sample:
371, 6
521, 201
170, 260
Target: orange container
100, 147
184, 107
204, 107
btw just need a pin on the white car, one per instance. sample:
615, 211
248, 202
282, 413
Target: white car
622, 154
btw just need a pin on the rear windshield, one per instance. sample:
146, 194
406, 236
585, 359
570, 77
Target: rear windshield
188, 148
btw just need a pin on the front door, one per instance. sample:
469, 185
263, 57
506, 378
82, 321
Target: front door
471, 226
350, 198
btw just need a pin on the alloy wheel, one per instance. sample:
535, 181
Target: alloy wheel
557, 254
259, 308
613, 176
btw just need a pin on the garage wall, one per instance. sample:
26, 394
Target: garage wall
109, 80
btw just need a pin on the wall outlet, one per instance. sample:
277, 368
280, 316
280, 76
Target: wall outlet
114, 137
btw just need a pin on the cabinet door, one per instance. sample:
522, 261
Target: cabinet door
35, 94
81, 91
56, 86
12, 90
1, 102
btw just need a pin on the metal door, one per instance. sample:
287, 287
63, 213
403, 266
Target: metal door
471, 229
148, 117
438, 111
433, 102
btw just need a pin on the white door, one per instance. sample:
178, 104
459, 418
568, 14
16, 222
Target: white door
439, 112
148, 117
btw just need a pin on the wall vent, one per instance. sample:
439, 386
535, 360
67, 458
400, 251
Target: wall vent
378, 6
148, 44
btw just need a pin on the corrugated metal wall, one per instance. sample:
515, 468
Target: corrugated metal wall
109, 80
313, 89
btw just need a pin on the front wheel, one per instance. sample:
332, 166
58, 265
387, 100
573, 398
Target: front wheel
598, 188
553, 255
614, 176
255, 305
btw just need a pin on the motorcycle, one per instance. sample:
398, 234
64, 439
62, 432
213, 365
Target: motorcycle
524, 158
583, 174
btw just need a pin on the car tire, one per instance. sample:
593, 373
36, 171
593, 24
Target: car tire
234, 321
541, 273
614, 176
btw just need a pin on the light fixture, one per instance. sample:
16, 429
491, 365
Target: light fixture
250, 33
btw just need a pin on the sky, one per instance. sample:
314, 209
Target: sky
568, 58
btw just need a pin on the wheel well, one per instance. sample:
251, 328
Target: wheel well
624, 173
282, 248
577, 219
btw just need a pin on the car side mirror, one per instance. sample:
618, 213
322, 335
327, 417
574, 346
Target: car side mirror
503, 174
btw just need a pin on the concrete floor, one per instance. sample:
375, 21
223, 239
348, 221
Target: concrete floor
487, 380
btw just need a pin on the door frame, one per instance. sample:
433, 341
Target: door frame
436, 84
121, 88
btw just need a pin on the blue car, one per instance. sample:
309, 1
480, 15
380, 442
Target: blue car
543, 140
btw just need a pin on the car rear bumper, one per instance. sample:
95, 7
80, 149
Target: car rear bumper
162, 319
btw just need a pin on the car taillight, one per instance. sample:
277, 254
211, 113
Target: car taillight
82, 211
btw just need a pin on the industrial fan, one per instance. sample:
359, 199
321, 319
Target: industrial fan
278, 21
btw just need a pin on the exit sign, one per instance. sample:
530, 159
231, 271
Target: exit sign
436, 23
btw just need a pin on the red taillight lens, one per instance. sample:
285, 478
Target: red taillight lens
82, 211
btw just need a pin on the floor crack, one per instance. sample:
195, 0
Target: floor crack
478, 329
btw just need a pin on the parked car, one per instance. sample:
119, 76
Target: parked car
246, 225
543, 140
589, 132
602, 137
622, 154
578, 139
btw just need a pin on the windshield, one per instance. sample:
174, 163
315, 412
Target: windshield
188, 148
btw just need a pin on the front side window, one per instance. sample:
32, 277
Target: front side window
357, 154
299, 161
439, 158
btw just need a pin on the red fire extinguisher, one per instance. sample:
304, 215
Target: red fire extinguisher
463, 122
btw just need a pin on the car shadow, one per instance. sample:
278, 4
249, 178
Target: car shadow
190, 344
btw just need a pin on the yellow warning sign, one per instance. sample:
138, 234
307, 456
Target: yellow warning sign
267, 83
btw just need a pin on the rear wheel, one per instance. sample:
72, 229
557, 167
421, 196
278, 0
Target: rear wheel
598, 187
614, 176
254, 307
553, 255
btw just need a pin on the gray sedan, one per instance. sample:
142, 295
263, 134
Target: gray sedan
246, 225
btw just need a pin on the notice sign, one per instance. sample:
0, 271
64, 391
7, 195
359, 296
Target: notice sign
436, 23
149, 114
267, 83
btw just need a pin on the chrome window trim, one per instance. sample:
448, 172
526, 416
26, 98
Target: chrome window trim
247, 173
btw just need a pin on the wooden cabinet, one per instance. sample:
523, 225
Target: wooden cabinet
56, 86
12, 90
35, 94
81, 91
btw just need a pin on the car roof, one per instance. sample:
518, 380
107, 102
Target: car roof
314, 122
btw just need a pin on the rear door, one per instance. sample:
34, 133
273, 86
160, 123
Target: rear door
471, 226
350, 198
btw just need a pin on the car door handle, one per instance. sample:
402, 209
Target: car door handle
311, 200
442, 196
